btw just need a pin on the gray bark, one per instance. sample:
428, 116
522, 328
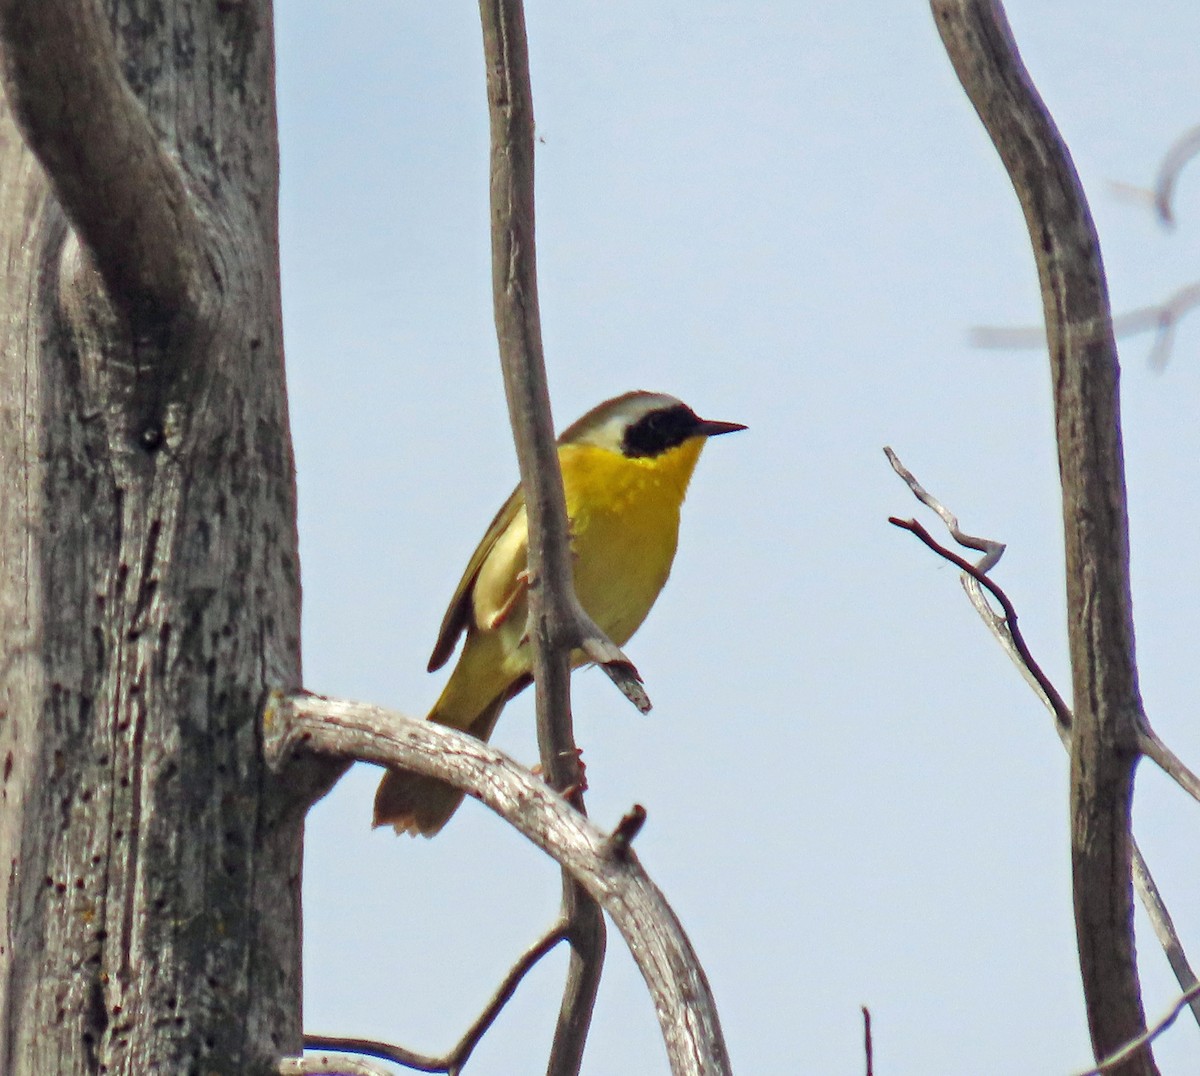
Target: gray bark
149, 579
1085, 375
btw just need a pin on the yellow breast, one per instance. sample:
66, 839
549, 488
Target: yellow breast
624, 516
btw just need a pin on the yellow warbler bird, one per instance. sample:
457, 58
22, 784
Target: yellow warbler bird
625, 466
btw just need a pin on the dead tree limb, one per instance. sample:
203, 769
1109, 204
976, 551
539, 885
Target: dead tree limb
1085, 372
1161, 318
456, 1059
1006, 630
609, 873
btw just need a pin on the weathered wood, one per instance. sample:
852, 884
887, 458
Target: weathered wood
557, 622
149, 579
606, 868
1085, 375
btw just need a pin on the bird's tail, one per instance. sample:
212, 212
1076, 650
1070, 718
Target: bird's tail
413, 803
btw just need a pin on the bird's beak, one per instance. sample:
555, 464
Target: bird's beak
711, 428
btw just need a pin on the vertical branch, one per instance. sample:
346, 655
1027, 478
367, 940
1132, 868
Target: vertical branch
553, 610
1087, 419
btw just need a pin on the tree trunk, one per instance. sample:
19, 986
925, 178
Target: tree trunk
149, 577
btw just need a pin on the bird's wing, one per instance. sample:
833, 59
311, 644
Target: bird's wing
458, 615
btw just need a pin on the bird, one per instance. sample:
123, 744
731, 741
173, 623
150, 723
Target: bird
626, 465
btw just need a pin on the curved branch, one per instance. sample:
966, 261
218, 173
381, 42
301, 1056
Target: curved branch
1006, 632
124, 193
1044, 685
1182, 151
678, 987
1108, 708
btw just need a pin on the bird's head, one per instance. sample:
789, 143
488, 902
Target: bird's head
642, 424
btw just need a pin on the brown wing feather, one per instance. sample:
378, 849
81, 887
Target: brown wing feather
458, 615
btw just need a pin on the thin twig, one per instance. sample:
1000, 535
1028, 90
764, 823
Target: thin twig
992, 551
454, 1060
1143, 1040
1060, 708
1164, 927
867, 1043
1167, 761
505, 991
330, 1065
1177, 157
1008, 635
679, 990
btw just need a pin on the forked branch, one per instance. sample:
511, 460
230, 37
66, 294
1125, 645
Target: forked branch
610, 874
1007, 633
453, 1061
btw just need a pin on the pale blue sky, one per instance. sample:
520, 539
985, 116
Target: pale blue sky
788, 215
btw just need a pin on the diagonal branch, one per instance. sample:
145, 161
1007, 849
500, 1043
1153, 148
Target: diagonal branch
1142, 1041
1108, 707
455, 1059
1169, 762
125, 194
1007, 633
677, 984
1045, 687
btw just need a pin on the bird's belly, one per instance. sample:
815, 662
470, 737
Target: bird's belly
623, 555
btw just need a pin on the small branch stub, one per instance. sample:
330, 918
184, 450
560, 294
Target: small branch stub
677, 984
628, 828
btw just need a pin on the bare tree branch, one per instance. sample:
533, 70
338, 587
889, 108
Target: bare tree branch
455, 1059
1161, 318
868, 1045
1007, 633
992, 551
558, 624
1181, 153
555, 614
1110, 1063
1169, 762
1045, 687
330, 1065
123, 191
1164, 928
1108, 708
678, 987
